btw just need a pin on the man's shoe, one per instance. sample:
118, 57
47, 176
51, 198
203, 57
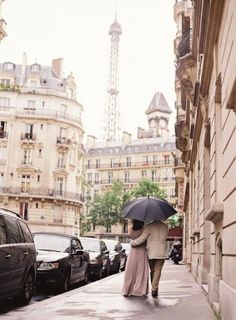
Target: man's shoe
154, 293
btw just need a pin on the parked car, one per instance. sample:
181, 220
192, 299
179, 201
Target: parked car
117, 255
126, 246
61, 260
17, 258
99, 257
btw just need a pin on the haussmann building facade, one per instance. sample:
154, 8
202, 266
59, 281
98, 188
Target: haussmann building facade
206, 142
40, 145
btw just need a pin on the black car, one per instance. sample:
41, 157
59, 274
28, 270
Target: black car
117, 255
99, 257
61, 260
17, 258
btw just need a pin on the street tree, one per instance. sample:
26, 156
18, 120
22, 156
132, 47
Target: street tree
105, 209
148, 188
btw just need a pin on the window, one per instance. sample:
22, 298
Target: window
96, 180
24, 210
29, 131
88, 164
108, 230
144, 174
27, 157
145, 160
15, 234
35, 68
3, 234
5, 82
90, 177
128, 161
61, 160
1, 179
76, 245
95, 192
41, 126
25, 183
36, 205
125, 227
154, 160
154, 174
164, 174
40, 152
8, 66
59, 186
166, 159
4, 102
27, 234
97, 163
38, 178
113, 163
110, 177
126, 176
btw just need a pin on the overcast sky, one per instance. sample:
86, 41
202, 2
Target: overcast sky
77, 30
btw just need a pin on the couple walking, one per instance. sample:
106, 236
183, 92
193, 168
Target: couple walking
148, 250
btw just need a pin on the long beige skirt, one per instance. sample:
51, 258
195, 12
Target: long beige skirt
136, 273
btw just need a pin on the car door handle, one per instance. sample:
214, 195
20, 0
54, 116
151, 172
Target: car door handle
25, 253
8, 255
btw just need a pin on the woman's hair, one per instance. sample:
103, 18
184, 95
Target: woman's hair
137, 225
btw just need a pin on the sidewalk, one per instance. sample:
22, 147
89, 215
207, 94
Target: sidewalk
180, 298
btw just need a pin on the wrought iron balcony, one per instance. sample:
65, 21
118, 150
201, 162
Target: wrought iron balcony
28, 136
150, 163
42, 193
63, 140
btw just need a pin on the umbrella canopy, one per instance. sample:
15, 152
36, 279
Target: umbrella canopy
148, 209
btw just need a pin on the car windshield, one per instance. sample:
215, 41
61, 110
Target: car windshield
51, 242
111, 245
90, 244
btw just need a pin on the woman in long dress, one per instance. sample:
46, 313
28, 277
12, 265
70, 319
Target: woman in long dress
136, 276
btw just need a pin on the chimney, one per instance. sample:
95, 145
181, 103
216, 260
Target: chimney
126, 137
141, 133
91, 141
57, 66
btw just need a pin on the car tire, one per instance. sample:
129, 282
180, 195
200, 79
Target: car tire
27, 291
86, 276
118, 268
66, 283
99, 275
123, 268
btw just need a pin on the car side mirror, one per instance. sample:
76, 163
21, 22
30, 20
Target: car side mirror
78, 252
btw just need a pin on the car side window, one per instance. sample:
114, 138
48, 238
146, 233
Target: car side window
14, 231
76, 245
27, 234
3, 232
103, 246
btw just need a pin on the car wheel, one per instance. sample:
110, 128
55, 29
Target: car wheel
86, 276
27, 291
123, 268
66, 283
99, 275
118, 268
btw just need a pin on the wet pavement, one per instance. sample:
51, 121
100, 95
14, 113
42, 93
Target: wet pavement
180, 298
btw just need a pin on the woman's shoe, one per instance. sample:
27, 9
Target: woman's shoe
154, 293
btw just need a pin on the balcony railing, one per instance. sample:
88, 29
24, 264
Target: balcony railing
63, 140
125, 181
130, 165
28, 136
42, 192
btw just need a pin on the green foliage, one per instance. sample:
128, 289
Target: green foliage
105, 209
148, 188
174, 221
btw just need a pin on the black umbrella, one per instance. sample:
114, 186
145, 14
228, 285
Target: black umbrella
148, 209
